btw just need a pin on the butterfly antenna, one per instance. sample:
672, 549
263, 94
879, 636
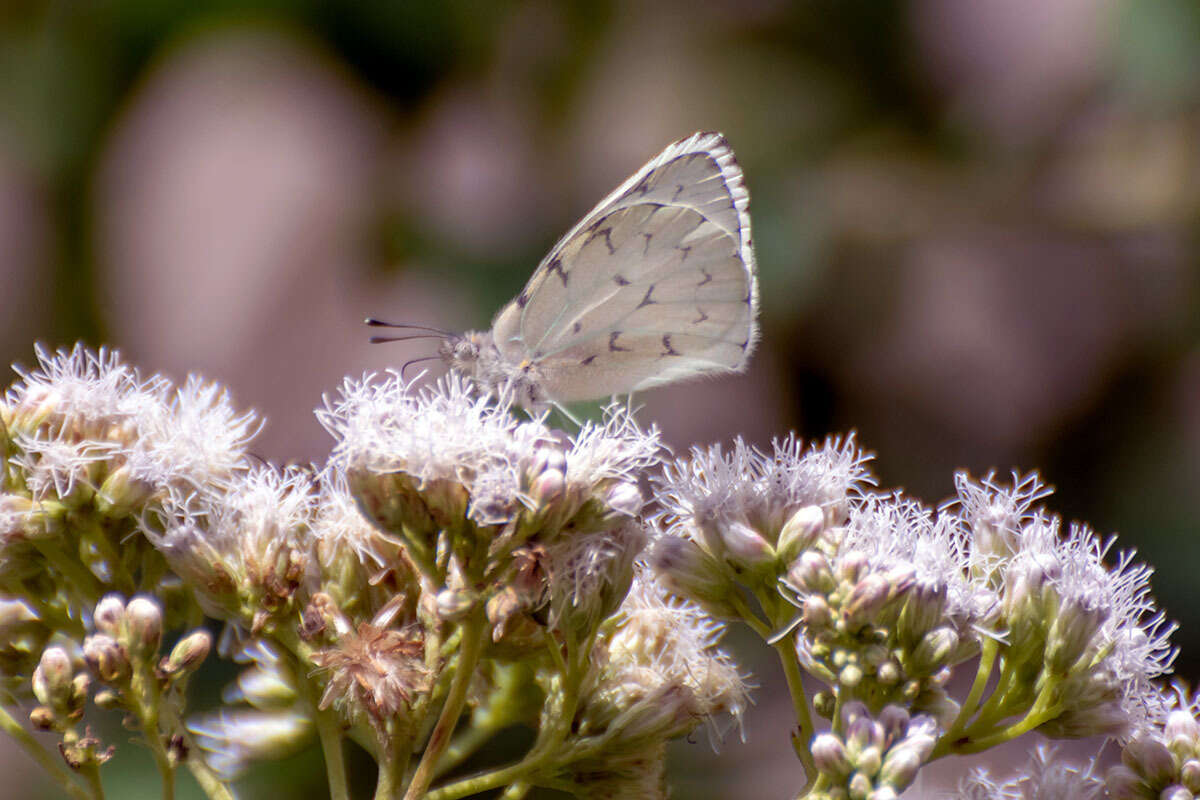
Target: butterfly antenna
382, 339
378, 323
412, 361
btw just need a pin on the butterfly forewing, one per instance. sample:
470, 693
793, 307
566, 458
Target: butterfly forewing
655, 284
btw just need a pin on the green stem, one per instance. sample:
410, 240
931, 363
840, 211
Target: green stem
1031, 720
484, 781
51, 763
473, 629
795, 681
391, 775
209, 782
329, 732
987, 662
91, 773
464, 746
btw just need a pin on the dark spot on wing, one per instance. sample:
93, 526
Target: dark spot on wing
668, 350
587, 361
678, 191
607, 234
556, 266
648, 237
685, 250
612, 343
621, 280
707, 277
647, 301
522, 299
577, 327
703, 316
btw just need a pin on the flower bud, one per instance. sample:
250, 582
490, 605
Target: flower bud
865, 600
1175, 792
41, 718
106, 658
829, 754
799, 532
1124, 784
859, 786
122, 492
52, 678
894, 720
109, 615
824, 703
869, 761
549, 456
933, 651
903, 761
625, 499
143, 623
852, 565
547, 487
923, 610
1151, 758
188, 653
1072, 632
454, 604
817, 614
850, 676
1181, 724
1189, 773
811, 573
107, 699
687, 570
745, 547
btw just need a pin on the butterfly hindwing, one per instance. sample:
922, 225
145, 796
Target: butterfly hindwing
655, 284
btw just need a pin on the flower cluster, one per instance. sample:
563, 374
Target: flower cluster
456, 569
874, 758
1162, 760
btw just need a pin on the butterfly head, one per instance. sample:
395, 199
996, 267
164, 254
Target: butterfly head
464, 354
475, 356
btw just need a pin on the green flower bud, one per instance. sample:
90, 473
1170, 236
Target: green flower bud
42, 718
108, 699
933, 651
188, 653
1072, 632
143, 624
121, 492
799, 532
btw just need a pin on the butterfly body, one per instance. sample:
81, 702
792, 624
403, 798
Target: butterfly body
656, 284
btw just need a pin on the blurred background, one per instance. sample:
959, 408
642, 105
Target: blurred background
976, 225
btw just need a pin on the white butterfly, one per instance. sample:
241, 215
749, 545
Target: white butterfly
656, 284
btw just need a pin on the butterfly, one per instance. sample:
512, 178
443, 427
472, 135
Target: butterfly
654, 285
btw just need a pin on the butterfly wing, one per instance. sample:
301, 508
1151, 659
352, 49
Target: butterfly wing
655, 284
